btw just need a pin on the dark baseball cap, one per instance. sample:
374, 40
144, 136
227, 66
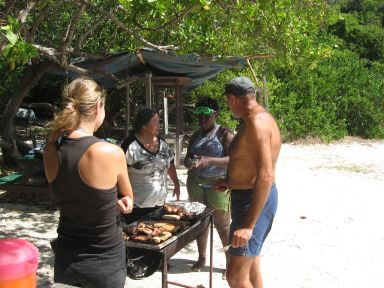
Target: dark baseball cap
239, 86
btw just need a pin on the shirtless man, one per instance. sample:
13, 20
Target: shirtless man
251, 177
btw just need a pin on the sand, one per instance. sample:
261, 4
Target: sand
327, 232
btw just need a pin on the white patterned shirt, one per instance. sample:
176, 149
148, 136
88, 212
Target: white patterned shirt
148, 172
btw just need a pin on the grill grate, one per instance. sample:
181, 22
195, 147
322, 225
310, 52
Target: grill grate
140, 267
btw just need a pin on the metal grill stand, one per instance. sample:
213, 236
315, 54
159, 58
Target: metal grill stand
169, 252
177, 242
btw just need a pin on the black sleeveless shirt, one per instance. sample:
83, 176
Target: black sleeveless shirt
89, 217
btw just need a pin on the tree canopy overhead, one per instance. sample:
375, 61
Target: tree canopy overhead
317, 47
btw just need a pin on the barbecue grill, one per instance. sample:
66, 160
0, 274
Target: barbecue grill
144, 259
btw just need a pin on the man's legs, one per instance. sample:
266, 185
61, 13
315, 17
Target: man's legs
255, 273
248, 257
244, 272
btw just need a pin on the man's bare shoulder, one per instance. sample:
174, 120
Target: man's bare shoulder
258, 120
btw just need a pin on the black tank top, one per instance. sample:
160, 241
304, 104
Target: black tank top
89, 217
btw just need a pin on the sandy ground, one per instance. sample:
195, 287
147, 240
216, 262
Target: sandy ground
326, 233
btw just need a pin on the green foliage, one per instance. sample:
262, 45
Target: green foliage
17, 51
300, 113
342, 96
9, 81
361, 27
325, 79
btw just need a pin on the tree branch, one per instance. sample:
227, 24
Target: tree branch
10, 7
87, 72
121, 25
47, 51
71, 28
5, 144
171, 22
110, 42
82, 71
23, 14
51, 52
84, 54
67, 38
85, 34
38, 21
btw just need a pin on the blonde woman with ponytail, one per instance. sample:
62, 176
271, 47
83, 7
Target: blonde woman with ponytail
89, 182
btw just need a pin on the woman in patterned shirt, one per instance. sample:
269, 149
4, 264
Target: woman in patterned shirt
150, 160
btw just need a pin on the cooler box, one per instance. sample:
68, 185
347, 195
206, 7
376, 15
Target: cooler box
18, 263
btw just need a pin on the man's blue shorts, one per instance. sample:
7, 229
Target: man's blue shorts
240, 203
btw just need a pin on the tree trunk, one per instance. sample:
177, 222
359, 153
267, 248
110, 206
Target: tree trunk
31, 78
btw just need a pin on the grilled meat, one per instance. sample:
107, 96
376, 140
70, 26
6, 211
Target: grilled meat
150, 233
161, 238
169, 209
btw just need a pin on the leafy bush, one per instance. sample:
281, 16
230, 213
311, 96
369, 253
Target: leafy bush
341, 96
361, 27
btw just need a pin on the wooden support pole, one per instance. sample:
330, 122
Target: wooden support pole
148, 90
165, 99
128, 110
265, 93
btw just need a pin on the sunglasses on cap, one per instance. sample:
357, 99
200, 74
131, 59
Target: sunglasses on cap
202, 110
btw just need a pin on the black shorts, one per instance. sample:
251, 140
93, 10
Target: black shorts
107, 270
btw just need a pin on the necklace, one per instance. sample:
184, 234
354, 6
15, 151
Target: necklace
83, 130
151, 146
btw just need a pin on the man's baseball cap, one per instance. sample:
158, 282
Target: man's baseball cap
240, 86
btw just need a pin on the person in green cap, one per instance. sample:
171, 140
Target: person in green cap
207, 159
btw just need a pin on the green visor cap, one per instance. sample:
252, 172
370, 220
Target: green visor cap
202, 110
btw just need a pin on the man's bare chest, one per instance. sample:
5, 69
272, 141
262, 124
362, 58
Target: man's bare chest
239, 145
